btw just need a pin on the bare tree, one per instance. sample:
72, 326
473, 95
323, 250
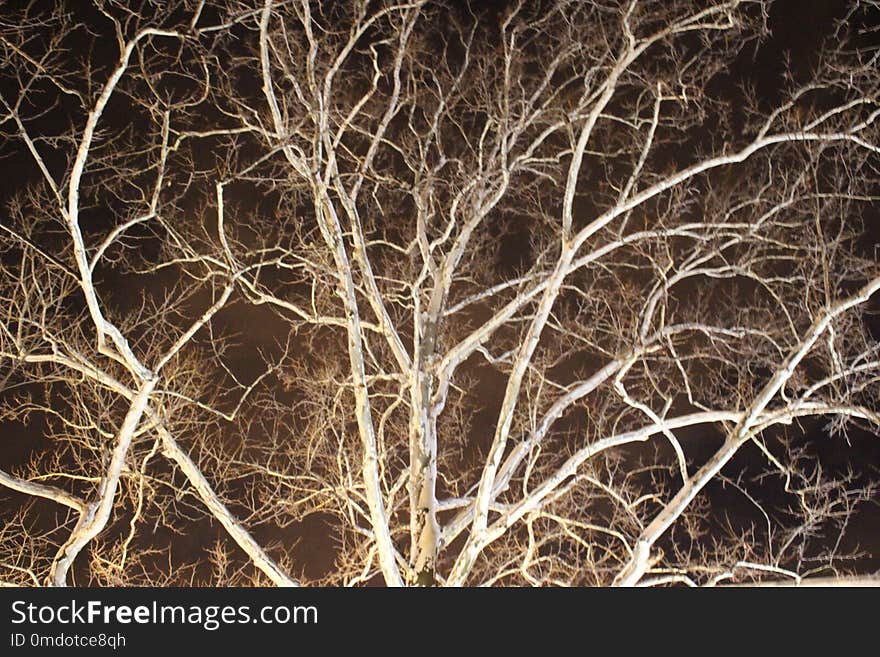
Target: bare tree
454, 294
